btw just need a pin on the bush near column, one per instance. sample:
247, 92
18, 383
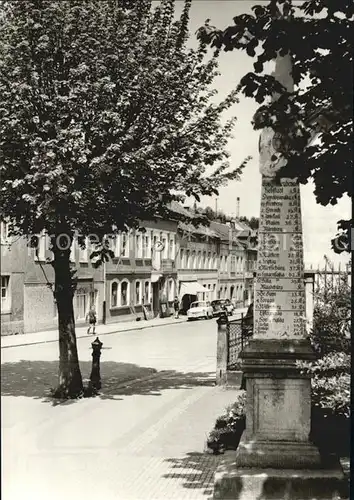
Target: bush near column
330, 382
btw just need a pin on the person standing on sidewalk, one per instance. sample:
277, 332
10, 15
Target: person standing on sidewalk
91, 316
176, 307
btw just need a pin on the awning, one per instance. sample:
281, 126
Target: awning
191, 288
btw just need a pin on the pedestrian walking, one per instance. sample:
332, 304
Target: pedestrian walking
176, 307
91, 316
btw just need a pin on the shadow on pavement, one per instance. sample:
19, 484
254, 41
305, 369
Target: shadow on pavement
36, 378
196, 470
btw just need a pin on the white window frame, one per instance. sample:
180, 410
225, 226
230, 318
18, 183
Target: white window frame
171, 290
188, 259
204, 261
79, 318
120, 294
72, 256
42, 247
148, 301
164, 239
172, 248
124, 250
138, 246
83, 252
4, 232
5, 285
139, 301
146, 245
111, 294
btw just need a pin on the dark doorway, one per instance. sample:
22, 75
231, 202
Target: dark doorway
155, 299
186, 302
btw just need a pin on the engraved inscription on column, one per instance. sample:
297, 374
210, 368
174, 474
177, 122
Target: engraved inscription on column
280, 291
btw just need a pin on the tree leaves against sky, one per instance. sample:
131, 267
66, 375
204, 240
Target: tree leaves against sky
105, 114
318, 35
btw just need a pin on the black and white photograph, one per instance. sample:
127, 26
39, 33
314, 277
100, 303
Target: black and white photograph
176, 249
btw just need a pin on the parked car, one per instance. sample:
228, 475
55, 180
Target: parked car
200, 309
220, 305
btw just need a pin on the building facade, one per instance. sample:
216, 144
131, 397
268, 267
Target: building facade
141, 278
13, 266
40, 310
149, 269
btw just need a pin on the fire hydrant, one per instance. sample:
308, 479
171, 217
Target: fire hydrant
95, 377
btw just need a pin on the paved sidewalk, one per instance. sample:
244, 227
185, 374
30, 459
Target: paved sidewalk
81, 331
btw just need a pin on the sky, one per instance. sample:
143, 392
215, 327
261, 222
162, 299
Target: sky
319, 223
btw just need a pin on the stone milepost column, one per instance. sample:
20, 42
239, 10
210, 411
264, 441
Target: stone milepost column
278, 408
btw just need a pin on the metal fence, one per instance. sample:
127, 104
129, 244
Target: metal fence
239, 331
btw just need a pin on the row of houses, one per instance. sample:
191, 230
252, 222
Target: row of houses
149, 270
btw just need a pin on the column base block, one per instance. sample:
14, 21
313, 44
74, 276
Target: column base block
278, 455
275, 484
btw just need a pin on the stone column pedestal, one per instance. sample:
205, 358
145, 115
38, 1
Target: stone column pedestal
278, 406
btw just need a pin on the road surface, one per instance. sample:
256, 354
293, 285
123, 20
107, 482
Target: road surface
142, 439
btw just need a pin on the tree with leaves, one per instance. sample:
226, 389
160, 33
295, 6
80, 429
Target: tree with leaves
106, 117
318, 36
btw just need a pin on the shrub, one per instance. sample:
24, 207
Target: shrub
229, 426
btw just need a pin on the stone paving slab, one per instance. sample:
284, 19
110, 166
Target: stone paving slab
93, 451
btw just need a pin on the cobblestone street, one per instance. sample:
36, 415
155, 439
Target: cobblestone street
142, 438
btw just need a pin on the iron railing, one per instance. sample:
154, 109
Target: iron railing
239, 331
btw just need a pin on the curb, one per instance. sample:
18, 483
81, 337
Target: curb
102, 333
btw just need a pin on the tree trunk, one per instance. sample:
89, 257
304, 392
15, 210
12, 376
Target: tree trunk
70, 380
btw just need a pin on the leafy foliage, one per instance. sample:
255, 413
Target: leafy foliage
229, 427
106, 118
317, 34
106, 114
331, 340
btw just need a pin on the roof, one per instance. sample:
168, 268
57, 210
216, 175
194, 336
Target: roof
224, 230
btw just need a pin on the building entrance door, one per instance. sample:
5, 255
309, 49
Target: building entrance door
155, 299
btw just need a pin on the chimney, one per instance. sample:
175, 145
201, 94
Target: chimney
237, 208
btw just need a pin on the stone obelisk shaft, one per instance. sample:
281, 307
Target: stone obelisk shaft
279, 290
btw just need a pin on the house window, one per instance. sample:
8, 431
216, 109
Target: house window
214, 291
209, 261
4, 231
193, 261
40, 249
73, 251
146, 249
204, 260
114, 294
164, 247
171, 290
226, 266
137, 292
124, 293
138, 247
187, 259
199, 263
153, 246
82, 304
147, 292
5, 293
171, 249
117, 249
83, 252
124, 245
